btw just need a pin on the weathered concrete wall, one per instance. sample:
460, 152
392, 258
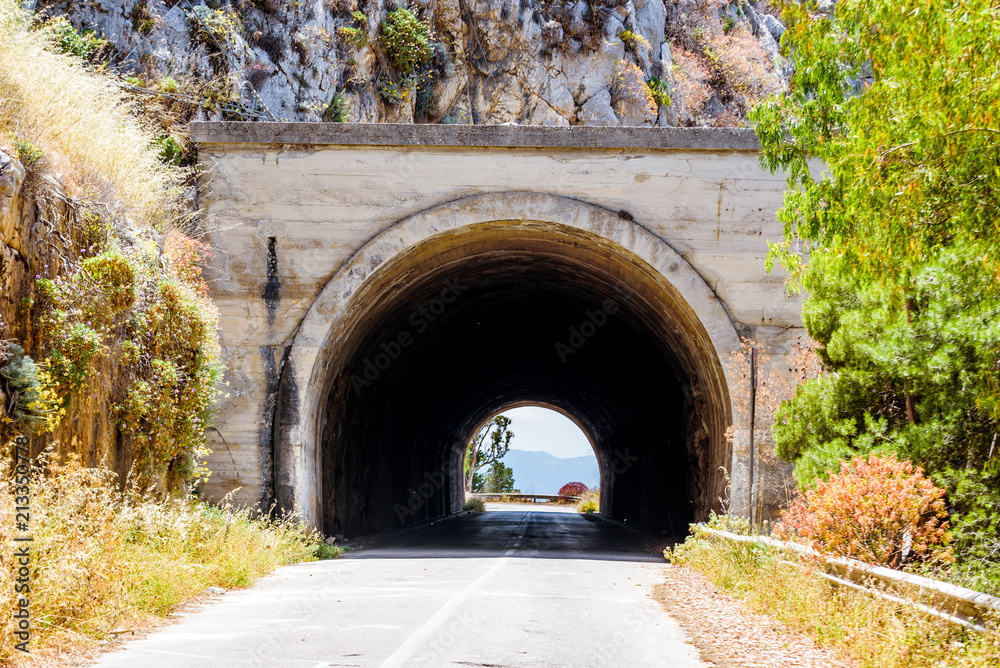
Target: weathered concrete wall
295, 205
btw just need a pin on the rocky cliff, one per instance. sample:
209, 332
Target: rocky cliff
545, 62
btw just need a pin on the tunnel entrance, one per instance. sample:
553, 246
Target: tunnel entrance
464, 323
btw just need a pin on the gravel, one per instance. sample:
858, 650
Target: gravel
728, 635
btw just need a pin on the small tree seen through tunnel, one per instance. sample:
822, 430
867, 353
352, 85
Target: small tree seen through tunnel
482, 453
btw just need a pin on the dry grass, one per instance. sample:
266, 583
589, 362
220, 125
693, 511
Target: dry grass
81, 121
727, 635
589, 503
474, 505
693, 88
873, 632
106, 561
744, 67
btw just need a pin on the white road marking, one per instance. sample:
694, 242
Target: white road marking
420, 636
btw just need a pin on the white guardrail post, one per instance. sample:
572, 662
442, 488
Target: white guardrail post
947, 601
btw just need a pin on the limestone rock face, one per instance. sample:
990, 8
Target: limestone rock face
773, 26
495, 61
597, 110
650, 19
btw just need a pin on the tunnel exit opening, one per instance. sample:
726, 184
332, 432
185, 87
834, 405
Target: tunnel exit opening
541, 449
433, 336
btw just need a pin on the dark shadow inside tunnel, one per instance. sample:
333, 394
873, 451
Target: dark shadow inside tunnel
470, 322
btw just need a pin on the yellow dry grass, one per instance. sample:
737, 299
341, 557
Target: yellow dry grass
589, 503
871, 631
103, 561
82, 122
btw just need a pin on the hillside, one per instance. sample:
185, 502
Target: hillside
544, 473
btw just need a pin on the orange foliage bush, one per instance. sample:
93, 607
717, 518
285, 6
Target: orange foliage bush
881, 510
186, 256
573, 489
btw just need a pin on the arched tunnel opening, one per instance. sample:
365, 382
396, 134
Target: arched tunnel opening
530, 449
472, 321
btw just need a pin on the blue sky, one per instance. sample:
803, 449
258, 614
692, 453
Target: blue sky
536, 428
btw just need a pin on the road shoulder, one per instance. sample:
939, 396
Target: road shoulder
728, 635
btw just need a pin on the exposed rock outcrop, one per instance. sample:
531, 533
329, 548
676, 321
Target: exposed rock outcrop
494, 61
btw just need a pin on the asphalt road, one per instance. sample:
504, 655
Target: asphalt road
514, 586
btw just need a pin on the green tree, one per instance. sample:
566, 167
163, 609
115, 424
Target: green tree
890, 136
482, 452
899, 100
499, 479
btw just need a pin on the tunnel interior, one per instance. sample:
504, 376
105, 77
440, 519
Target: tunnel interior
467, 323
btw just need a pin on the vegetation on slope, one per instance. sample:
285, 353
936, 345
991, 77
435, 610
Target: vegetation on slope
868, 632
81, 123
895, 240
385, 61
127, 298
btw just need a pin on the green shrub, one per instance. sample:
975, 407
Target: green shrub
660, 91
115, 275
171, 149
68, 40
169, 85
27, 403
74, 345
216, 27
336, 111
633, 41
167, 406
356, 35
143, 21
405, 40
391, 92
159, 326
26, 152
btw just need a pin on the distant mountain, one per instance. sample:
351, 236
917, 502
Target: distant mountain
544, 473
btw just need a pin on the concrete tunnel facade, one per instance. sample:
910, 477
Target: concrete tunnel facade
481, 302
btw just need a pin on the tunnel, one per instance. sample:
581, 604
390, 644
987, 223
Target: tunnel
466, 322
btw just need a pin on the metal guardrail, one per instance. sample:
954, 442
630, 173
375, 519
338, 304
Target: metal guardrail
947, 601
548, 498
